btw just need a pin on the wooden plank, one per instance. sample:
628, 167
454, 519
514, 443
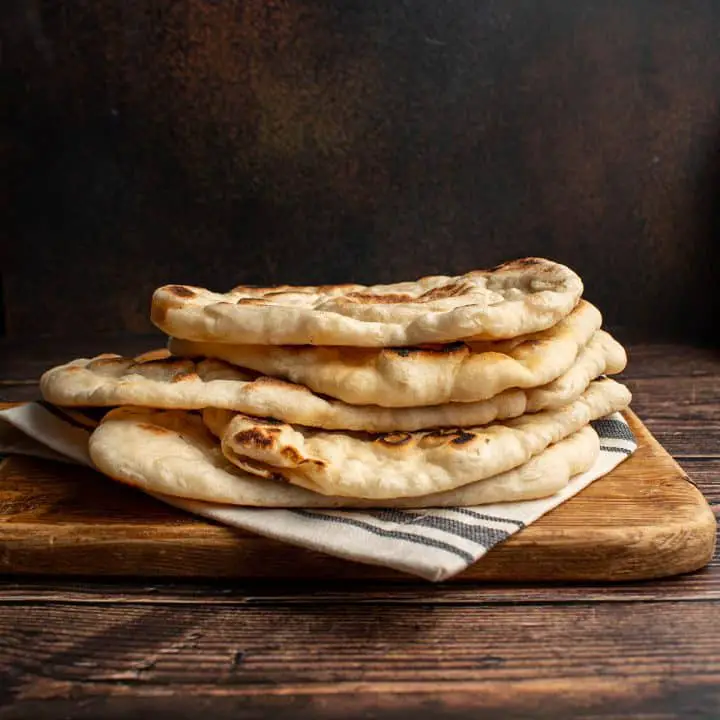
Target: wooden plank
702, 585
653, 359
596, 699
643, 520
607, 660
681, 412
686, 438
600, 699
705, 473
685, 399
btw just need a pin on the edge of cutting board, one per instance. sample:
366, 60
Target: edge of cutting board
644, 520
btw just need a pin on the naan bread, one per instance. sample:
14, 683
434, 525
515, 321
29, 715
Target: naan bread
172, 453
404, 464
513, 299
418, 377
172, 383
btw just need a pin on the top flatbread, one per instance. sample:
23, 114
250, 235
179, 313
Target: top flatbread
516, 298
418, 377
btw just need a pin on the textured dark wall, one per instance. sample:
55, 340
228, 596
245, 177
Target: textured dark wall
270, 141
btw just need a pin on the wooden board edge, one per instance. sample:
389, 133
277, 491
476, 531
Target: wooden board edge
665, 552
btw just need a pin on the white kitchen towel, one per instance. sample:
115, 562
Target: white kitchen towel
432, 543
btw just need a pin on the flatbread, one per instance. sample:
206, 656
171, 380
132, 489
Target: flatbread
418, 377
172, 453
407, 464
172, 383
516, 298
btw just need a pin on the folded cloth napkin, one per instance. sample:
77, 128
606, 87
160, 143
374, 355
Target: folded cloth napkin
432, 543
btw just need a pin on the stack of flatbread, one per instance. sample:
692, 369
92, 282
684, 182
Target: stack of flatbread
445, 391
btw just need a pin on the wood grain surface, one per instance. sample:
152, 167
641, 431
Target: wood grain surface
643, 520
365, 660
362, 649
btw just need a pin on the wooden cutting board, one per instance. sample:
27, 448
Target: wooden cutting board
643, 520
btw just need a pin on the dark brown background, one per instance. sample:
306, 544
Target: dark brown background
268, 141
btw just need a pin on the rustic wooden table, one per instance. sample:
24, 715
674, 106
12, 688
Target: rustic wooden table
84, 649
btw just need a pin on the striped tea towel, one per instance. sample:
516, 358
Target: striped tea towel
432, 543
